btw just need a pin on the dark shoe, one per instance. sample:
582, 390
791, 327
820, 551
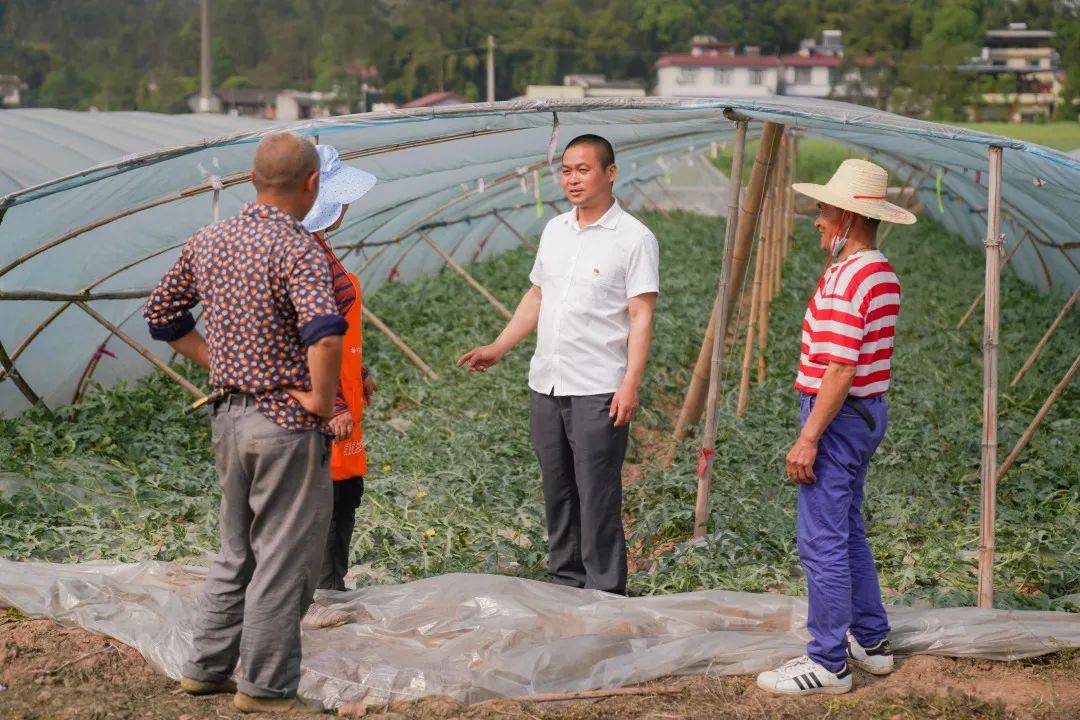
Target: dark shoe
293, 705
200, 687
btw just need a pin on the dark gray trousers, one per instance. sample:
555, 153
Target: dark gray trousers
581, 455
276, 497
347, 496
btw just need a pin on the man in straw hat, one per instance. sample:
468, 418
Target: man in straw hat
847, 344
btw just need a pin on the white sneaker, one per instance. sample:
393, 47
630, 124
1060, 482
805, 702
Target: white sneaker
876, 660
319, 617
803, 676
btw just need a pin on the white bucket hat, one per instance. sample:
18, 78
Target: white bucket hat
339, 184
860, 187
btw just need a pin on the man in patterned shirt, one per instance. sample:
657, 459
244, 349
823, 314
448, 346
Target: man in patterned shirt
844, 371
273, 344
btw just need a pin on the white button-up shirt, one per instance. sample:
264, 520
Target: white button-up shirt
586, 277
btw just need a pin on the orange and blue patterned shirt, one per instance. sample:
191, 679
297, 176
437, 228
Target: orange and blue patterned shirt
344, 296
267, 294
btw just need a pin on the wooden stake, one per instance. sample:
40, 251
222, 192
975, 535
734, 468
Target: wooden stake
16, 377
979, 297
765, 246
1039, 416
748, 351
749, 211
991, 319
793, 168
153, 359
73, 297
719, 346
1046, 338
398, 342
520, 237
464, 274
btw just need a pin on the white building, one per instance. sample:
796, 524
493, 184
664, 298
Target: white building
713, 69
11, 91
586, 85
1027, 71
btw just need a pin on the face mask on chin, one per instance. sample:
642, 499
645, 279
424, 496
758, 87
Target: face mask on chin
840, 238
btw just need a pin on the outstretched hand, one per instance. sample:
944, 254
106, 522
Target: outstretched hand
480, 358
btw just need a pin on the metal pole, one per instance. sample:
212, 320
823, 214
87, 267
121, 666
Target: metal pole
491, 68
719, 346
991, 320
205, 91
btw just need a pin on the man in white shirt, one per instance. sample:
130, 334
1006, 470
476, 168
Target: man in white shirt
594, 287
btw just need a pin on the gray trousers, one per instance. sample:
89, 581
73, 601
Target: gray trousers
581, 455
276, 497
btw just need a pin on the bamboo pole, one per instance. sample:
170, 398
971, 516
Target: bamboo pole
1039, 417
398, 342
992, 316
793, 168
719, 344
74, 297
748, 350
514, 230
465, 274
1045, 338
749, 211
16, 377
765, 247
663, 189
153, 359
979, 297
480, 245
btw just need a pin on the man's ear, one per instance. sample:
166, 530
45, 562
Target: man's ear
311, 183
612, 172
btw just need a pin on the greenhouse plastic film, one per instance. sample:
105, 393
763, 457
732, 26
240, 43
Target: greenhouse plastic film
476, 637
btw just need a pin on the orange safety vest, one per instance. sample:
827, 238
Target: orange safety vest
348, 458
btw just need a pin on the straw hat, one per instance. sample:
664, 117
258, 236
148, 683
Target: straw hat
860, 187
339, 184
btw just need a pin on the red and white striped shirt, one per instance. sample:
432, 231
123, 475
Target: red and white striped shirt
851, 319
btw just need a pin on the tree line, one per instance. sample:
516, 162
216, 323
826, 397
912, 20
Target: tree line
144, 54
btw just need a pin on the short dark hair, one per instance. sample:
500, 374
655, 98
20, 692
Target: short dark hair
603, 148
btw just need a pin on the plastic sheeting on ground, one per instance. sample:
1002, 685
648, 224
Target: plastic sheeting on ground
476, 637
449, 170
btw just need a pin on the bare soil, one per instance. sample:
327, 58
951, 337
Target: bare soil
47, 671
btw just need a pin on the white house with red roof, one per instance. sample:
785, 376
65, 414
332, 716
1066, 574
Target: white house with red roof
714, 69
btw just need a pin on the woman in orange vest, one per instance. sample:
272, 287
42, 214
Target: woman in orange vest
340, 185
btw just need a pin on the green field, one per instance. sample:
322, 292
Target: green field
454, 484
1058, 135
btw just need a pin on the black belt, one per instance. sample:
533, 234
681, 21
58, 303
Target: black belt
861, 410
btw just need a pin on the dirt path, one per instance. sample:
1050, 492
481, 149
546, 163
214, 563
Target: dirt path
47, 671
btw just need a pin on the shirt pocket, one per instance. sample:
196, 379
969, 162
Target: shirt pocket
593, 291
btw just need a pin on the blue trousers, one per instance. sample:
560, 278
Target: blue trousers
841, 576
